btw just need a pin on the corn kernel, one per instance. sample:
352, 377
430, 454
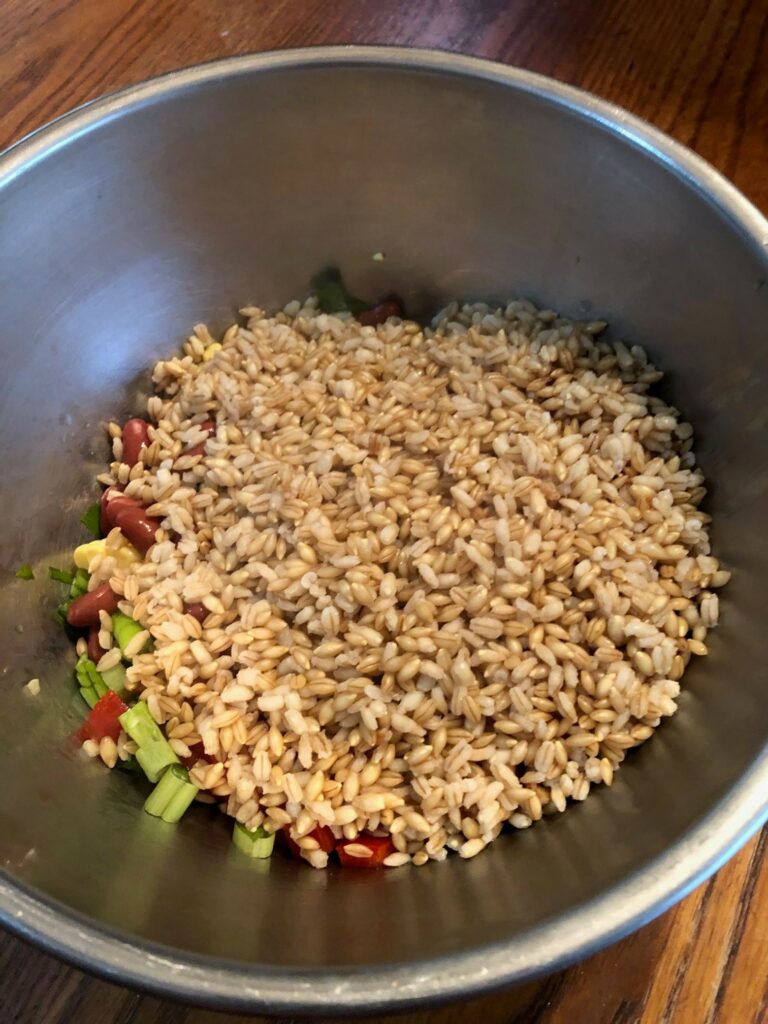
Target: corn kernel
124, 554
211, 351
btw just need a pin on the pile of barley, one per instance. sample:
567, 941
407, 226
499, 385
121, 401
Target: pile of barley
452, 575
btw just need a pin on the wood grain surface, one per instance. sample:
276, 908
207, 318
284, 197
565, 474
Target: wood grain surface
696, 68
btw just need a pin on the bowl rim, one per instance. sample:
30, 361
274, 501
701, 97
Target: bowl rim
553, 945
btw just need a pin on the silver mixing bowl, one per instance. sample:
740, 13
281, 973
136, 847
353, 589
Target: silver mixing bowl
127, 221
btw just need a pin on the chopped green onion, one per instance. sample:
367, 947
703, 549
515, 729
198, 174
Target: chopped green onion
89, 695
172, 795
332, 294
79, 585
60, 575
155, 757
155, 753
257, 843
25, 572
140, 725
81, 673
60, 615
92, 685
89, 677
115, 678
125, 629
90, 519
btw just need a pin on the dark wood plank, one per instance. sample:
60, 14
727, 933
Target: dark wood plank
698, 70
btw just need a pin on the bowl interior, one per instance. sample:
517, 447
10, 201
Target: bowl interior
193, 201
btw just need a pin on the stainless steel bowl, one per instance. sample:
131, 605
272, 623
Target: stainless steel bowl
176, 201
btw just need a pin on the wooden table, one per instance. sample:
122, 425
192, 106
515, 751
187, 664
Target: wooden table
699, 70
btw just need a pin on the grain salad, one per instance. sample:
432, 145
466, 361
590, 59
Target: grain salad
391, 588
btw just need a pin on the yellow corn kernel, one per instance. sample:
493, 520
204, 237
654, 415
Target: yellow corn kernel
85, 553
125, 554
211, 351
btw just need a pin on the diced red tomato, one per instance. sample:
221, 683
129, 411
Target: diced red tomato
103, 719
380, 847
292, 846
325, 839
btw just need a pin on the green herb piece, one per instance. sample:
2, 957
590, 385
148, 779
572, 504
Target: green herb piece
257, 843
155, 757
90, 519
172, 795
60, 575
332, 294
25, 572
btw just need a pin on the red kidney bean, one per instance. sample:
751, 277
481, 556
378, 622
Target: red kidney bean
389, 307
135, 437
109, 496
104, 524
197, 611
135, 525
84, 610
95, 650
197, 753
114, 506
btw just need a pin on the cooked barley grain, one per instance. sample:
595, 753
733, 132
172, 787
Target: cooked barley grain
452, 575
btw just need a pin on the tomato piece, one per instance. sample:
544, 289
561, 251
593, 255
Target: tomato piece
292, 844
103, 719
380, 847
324, 836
